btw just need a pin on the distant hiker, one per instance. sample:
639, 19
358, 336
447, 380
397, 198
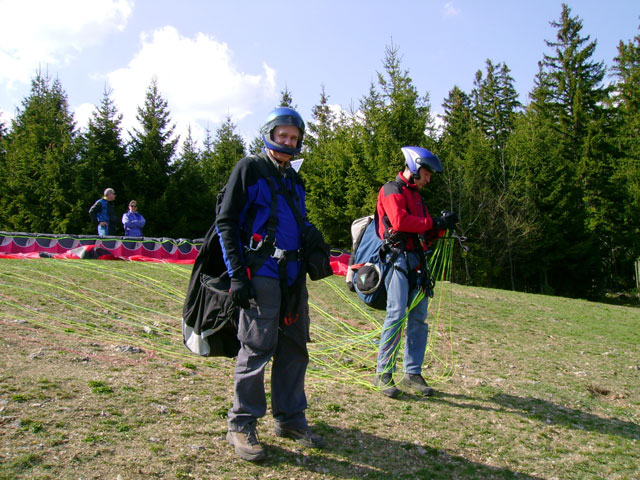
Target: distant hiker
133, 221
403, 221
263, 229
103, 214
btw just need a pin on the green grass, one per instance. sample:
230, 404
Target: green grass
528, 386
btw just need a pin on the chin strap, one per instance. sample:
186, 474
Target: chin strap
278, 147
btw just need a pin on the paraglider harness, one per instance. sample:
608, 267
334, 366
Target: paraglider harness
210, 318
373, 260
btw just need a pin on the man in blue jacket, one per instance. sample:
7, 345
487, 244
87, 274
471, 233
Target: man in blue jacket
102, 213
263, 231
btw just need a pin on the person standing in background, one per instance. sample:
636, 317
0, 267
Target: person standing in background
133, 221
103, 213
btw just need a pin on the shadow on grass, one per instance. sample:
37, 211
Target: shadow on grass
626, 299
350, 453
546, 412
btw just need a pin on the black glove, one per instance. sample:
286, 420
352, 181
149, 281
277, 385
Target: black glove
447, 221
241, 290
316, 254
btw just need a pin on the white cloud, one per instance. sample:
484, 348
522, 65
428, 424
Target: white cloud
83, 113
41, 33
439, 123
450, 10
6, 118
337, 110
198, 78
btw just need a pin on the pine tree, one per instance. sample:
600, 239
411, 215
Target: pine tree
286, 99
3, 134
393, 115
226, 149
40, 162
320, 128
627, 172
506, 226
103, 162
207, 163
4, 193
325, 171
495, 105
151, 153
575, 81
255, 147
191, 203
566, 108
464, 151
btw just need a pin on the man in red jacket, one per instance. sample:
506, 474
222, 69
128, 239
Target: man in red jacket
405, 224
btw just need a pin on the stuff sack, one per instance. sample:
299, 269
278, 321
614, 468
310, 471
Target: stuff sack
209, 318
369, 268
357, 231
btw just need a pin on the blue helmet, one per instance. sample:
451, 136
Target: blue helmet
282, 116
418, 157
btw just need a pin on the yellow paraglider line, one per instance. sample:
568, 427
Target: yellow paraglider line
341, 350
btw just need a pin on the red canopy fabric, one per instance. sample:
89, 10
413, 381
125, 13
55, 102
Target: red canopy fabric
141, 249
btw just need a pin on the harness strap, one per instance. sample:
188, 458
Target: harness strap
398, 241
282, 263
292, 205
256, 257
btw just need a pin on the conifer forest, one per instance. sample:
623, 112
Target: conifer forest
547, 189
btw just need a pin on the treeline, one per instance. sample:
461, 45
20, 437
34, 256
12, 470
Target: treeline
548, 193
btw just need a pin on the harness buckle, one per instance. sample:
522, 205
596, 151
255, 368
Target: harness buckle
278, 253
461, 241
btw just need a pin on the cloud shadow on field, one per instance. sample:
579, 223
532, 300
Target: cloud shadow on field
545, 412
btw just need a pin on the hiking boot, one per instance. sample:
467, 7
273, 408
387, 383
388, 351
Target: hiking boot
384, 381
246, 444
416, 383
303, 436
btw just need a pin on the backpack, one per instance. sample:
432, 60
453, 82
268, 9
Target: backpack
367, 264
94, 210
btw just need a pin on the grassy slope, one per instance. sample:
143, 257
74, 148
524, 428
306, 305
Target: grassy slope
543, 387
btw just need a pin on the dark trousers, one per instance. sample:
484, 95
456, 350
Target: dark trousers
264, 335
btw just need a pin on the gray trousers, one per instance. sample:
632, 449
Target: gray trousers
264, 336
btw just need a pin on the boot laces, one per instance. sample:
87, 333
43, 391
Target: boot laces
252, 436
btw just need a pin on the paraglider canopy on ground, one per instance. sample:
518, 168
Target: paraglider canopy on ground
146, 249
36, 245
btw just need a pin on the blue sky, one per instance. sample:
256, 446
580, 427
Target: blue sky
216, 58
